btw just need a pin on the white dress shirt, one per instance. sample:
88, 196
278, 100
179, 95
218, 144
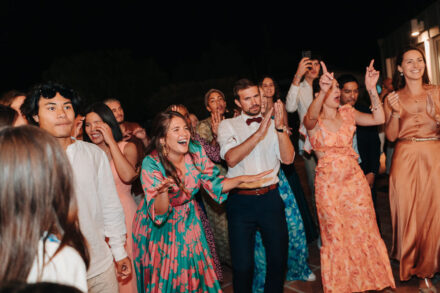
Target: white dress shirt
265, 155
299, 99
100, 211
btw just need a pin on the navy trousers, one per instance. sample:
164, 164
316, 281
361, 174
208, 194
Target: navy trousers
246, 214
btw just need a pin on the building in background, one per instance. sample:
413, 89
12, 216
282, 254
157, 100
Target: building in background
422, 31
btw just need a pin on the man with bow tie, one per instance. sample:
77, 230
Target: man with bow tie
250, 144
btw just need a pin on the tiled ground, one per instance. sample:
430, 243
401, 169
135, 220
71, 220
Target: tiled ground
316, 286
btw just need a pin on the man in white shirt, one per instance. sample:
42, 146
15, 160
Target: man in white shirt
52, 106
250, 144
299, 98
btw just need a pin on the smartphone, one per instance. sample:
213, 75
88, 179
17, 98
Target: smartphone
379, 89
306, 53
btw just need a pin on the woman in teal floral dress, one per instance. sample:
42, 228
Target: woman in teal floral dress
170, 249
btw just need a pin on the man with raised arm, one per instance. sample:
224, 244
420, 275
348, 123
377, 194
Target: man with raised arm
250, 144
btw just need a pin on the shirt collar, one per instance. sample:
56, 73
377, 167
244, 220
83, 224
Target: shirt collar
245, 116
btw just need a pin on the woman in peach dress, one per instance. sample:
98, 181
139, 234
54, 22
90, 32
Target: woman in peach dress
412, 115
353, 255
102, 129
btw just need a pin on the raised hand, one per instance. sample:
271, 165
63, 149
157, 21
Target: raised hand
140, 133
106, 132
216, 118
279, 114
264, 125
371, 76
78, 123
393, 101
304, 65
326, 80
263, 102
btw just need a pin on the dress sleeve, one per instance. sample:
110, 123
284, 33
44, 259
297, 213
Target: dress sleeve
151, 176
213, 151
211, 179
348, 113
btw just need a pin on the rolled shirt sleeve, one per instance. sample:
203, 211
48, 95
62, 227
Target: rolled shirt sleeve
292, 98
227, 139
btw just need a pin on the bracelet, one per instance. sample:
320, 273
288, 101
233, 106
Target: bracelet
375, 107
395, 114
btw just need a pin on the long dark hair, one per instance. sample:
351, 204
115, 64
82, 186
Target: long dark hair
276, 94
161, 125
107, 116
36, 196
398, 79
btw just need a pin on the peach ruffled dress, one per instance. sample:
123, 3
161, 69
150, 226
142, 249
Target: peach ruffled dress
353, 255
415, 190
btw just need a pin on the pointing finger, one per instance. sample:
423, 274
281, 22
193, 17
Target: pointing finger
324, 68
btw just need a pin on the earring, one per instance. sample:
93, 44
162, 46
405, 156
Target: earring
401, 73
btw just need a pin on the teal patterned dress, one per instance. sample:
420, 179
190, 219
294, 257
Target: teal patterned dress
171, 253
297, 266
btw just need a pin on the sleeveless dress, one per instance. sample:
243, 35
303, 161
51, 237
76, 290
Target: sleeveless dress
129, 206
171, 253
353, 255
415, 192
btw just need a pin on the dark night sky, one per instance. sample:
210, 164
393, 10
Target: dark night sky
33, 33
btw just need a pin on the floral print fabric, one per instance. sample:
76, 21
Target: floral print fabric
353, 255
171, 253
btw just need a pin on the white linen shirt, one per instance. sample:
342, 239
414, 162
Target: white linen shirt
265, 155
299, 99
100, 211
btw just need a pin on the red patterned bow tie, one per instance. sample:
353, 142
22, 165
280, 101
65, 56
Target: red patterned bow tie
250, 120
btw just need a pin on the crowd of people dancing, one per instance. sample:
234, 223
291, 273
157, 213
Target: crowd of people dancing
90, 202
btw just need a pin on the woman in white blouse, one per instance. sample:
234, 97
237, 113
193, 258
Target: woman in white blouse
40, 238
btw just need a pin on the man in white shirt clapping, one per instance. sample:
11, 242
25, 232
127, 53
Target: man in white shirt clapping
250, 144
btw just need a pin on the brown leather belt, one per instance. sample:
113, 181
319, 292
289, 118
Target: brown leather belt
255, 191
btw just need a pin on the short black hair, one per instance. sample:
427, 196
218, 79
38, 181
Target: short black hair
343, 79
107, 116
242, 84
47, 90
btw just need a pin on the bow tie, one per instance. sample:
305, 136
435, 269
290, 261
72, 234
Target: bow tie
250, 120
